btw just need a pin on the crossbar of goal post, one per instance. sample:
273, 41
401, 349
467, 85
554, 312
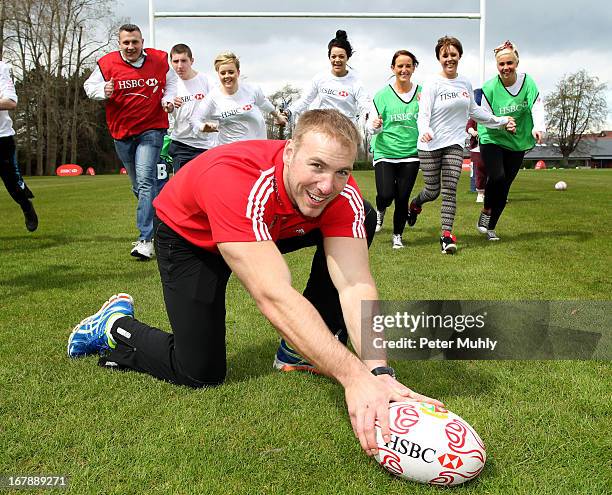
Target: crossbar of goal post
481, 15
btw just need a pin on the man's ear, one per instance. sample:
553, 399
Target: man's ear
288, 152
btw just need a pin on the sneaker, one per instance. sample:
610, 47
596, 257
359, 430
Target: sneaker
92, 335
143, 249
413, 213
483, 223
31, 219
448, 243
380, 217
287, 359
480, 197
397, 241
492, 236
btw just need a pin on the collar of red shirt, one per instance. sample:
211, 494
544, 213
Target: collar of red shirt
286, 207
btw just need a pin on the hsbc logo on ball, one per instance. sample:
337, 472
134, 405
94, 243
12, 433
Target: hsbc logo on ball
450, 461
411, 449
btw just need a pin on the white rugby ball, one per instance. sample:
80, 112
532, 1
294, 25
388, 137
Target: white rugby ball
430, 444
561, 186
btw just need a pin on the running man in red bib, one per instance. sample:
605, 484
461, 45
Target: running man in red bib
139, 87
236, 208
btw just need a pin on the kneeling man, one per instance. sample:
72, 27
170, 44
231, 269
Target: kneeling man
236, 208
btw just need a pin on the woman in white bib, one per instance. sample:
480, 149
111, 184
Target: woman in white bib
337, 88
233, 109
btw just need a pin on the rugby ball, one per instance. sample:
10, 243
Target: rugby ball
561, 186
430, 444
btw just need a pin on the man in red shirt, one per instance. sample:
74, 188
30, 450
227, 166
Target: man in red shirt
138, 87
234, 209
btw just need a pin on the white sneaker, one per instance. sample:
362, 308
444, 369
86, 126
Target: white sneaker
480, 197
143, 249
492, 236
397, 241
380, 216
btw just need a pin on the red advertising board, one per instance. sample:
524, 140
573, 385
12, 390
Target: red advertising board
69, 169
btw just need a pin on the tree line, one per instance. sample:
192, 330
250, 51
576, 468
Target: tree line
52, 46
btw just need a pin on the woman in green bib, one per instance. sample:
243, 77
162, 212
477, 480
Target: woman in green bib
393, 122
509, 94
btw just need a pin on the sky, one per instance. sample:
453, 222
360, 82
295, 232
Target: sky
553, 38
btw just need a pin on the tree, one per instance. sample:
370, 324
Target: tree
51, 45
576, 106
281, 99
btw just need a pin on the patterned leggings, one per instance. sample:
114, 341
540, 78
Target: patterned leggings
441, 167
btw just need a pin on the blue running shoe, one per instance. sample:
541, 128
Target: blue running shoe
91, 335
287, 359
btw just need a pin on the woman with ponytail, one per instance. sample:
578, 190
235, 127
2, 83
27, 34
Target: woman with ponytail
337, 88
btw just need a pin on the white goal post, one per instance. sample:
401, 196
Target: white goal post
481, 15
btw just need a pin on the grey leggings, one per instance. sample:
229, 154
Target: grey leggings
441, 168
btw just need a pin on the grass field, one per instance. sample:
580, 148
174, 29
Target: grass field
546, 424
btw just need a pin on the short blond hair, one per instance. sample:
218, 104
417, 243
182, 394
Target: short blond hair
226, 58
329, 122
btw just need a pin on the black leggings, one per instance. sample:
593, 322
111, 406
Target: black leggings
194, 283
11, 176
394, 181
502, 167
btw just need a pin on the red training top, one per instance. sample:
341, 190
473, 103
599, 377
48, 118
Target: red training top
135, 105
235, 193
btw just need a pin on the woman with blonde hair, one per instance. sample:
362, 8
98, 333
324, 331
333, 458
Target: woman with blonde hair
512, 94
237, 108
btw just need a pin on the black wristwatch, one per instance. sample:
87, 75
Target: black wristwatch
384, 370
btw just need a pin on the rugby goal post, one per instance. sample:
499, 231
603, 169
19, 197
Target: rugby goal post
481, 15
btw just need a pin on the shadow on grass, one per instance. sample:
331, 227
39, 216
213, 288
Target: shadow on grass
437, 379
445, 378
422, 238
477, 238
253, 362
60, 277
37, 241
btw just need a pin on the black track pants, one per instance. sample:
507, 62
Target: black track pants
194, 283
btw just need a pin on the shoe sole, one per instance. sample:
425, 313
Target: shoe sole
141, 256
378, 228
398, 247
286, 368
482, 230
112, 299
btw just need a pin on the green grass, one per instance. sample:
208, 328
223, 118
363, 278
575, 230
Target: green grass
545, 423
